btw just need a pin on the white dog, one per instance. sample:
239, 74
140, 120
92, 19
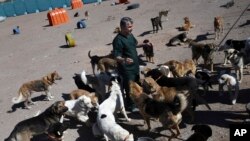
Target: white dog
232, 84
106, 121
79, 108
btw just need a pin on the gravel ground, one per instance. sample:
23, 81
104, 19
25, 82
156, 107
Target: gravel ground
40, 49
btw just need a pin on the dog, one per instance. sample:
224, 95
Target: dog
187, 24
78, 93
169, 113
204, 76
79, 108
107, 65
156, 21
178, 40
232, 84
106, 121
56, 131
218, 26
238, 60
28, 128
179, 69
148, 50
43, 84
189, 84
80, 84
206, 51
228, 4
201, 133
95, 59
165, 70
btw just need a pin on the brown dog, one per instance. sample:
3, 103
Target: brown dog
179, 69
204, 50
106, 65
148, 50
95, 59
170, 117
43, 84
218, 26
187, 24
79, 92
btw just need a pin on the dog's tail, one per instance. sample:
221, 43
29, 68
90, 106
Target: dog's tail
179, 104
89, 54
83, 77
17, 99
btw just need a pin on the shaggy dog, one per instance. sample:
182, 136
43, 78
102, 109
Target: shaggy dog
204, 50
148, 50
28, 128
178, 40
231, 84
218, 26
179, 69
95, 59
106, 121
201, 133
43, 84
156, 21
79, 108
169, 113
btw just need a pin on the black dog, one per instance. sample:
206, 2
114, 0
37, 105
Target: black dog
201, 133
204, 76
80, 85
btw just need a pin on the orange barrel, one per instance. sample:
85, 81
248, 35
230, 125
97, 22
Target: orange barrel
76, 4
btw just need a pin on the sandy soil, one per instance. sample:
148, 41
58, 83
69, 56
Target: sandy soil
40, 49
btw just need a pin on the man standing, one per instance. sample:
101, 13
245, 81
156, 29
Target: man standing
124, 49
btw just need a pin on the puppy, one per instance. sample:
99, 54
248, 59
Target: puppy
148, 50
156, 21
187, 24
28, 128
178, 40
218, 26
201, 133
232, 84
79, 108
106, 65
106, 120
43, 84
204, 50
95, 59
169, 113
179, 69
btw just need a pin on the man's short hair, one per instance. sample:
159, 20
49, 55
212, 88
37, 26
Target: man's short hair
125, 20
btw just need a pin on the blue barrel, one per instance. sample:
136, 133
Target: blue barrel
81, 24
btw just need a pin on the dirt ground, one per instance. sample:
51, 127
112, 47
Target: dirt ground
40, 49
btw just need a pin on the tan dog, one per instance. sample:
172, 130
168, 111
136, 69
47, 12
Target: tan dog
179, 69
187, 24
218, 26
43, 84
79, 92
150, 108
204, 50
106, 65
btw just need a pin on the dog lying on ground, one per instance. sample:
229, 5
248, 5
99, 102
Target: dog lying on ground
95, 59
43, 84
106, 121
179, 69
238, 60
232, 84
201, 133
80, 84
28, 128
204, 50
156, 21
218, 26
181, 83
169, 113
178, 40
79, 108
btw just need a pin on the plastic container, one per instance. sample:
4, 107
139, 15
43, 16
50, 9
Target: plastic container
76, 4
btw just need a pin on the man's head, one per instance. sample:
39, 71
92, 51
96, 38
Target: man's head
126, 25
